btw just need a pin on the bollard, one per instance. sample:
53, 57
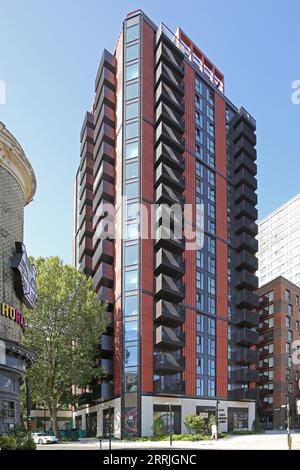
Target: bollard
290, 442
100, 441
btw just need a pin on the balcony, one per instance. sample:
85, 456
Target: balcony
165, 50
245, 356
245, 208
165, 113
264, 365
245, 337
243, 394
166, 195
103, 253
107, 344
167, 363
176, 388
263, 378
105, 191
169, 313
246, 280
265, 392
165, 154
264, 352
108, 367
167, 134
245, 317
246, 225
245, 241
169, 263
106, 294
105, 95
243, 116
165, 238
263, 325
104, 276
110, 320
106, 391
246, 299
244, 130
245, 260
85, 248
245, 375
166, 174
106, 172
245, 177
245, 193
166, 74
243, 161
266, 337
170, 338
168, 288
243, 146
106, 152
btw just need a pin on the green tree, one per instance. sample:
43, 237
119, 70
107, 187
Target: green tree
212, 420
63, 330
158, 427
194, 423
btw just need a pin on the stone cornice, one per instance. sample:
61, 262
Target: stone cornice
13, 159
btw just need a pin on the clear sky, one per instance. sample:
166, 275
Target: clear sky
49, 56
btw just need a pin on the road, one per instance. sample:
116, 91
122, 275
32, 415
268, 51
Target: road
268, 441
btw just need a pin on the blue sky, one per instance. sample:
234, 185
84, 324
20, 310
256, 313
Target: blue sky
50, 52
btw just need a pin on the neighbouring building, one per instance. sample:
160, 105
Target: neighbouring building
182, 330
279, 320
279, 244
41, 421
17, 275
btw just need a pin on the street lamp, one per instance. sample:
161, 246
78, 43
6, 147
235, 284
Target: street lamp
287, 408
28, 404
44, 417
109, 427
217, 413
170, 424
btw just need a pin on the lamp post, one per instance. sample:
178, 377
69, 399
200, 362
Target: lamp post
217, 413
288, 423
109, 427
170, 424
28, 405
45, 418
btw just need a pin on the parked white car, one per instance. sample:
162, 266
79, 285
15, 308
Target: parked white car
43, 438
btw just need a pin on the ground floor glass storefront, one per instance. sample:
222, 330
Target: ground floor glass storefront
237, 419
14, 359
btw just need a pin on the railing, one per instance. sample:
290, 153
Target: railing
192, 57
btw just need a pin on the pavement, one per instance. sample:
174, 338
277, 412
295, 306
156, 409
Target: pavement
268, 441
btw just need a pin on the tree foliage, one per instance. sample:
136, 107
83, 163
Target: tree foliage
195, 423
159, 427
63, 330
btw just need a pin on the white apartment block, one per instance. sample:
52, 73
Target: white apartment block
279, 244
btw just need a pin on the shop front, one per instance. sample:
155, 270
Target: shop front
17, 276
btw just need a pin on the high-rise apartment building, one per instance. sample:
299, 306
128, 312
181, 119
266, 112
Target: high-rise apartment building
279, 328
279, 244
182, 337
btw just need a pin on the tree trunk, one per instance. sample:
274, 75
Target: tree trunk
54, 422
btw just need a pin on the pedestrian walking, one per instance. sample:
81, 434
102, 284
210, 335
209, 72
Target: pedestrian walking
214, 432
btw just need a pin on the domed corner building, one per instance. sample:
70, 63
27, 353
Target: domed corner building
17, 275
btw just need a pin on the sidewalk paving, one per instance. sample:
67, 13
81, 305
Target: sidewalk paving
268, 441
